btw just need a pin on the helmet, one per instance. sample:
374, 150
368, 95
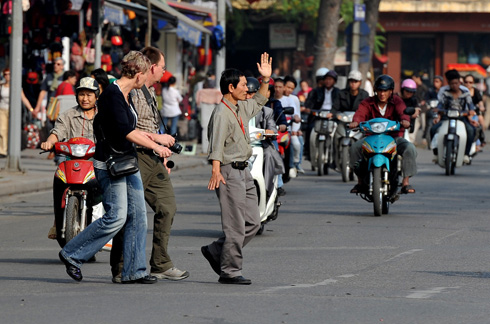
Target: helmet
320, 73
355, 75
253, 85
89, 83
409, 85
384, 82
332, 74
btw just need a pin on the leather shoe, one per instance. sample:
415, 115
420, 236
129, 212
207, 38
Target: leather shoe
215, 265
72, 271
145, 280
240, 280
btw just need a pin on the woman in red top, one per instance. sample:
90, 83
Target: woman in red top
67, 86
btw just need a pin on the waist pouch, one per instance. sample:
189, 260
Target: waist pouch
121, 166
239, 165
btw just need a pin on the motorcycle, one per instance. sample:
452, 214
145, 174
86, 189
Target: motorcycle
431, 116
343, 140
451, 139
268, 201
380, 169
284, 142
74, 188
321, 142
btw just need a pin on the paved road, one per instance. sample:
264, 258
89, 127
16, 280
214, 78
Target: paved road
326, 259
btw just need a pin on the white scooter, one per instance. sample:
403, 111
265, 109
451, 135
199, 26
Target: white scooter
268, 204
451, 140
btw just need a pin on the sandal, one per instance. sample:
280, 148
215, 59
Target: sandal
52, 233
357, 189
408, 189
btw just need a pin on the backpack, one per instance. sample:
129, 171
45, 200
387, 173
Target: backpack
218, 38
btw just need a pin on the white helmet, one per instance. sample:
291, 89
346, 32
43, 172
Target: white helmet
355, 75
320, 73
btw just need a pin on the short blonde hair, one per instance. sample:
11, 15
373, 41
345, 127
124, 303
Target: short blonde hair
133, 63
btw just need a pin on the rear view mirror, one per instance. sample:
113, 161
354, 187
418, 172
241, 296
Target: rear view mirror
409, 111
288, 110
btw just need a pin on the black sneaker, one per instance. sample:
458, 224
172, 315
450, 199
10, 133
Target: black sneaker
281, 191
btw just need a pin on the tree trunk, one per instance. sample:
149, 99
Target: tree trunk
326, 36
372, 13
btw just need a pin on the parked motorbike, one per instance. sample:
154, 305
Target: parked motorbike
321, 141
380, 168
343, 140
451, 139
268, 201
74, 188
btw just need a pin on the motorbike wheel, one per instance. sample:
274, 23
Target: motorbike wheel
377, 193
386, 206
320, 157
345, 164
73, 225
449, 158
328, 155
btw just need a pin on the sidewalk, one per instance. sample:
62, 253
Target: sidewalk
38, 171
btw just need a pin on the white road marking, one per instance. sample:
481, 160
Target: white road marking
424, 294
409, 252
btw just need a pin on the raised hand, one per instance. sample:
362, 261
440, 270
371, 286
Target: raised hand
265, 65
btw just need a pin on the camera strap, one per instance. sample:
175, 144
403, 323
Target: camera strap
153, 104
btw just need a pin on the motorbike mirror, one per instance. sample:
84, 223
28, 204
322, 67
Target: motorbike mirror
289, 110
409, 111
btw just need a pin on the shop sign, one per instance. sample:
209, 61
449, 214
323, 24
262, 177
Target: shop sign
190, 34
282, 36
114, 15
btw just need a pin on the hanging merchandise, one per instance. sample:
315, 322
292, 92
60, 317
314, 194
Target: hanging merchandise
218, 37
106, 62
201, 56
89, 53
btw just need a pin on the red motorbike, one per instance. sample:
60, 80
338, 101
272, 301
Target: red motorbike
74, 188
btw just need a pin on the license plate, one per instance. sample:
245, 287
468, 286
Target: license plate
321, 137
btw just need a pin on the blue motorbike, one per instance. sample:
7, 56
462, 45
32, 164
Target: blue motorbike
380, 168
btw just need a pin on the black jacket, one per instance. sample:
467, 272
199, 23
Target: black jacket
343, 102
316, 97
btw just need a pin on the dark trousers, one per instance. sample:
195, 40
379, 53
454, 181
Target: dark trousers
159, 194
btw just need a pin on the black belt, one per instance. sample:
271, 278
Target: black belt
239, 165
145, 151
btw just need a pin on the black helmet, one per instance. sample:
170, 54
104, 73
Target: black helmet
384, 82
253, 85
332, 74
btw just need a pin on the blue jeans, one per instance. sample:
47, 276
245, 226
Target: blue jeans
124, 203
173, 127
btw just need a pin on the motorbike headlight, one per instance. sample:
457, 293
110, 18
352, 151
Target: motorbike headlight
323, 113
347, 116
433, 103
65, 148
79, 150
453, 113
379, 127
257, 136
92, 150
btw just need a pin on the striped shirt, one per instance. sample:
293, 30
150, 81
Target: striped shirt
148, 118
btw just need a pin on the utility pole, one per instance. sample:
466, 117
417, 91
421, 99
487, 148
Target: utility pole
356, 31
14, 140
221, 55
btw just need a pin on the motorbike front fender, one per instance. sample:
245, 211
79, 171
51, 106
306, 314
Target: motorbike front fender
378, 161
346, 141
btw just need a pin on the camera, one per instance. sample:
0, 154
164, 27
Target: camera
176, 148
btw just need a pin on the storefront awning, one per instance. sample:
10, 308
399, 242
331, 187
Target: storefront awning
187, 28
475, 69
140, 10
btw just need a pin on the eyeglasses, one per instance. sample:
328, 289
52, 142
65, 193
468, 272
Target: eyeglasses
58, 63
470, 82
